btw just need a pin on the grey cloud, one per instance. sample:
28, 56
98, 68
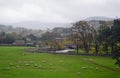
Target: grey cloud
56, 10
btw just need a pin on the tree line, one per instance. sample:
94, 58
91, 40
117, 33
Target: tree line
104, 39
6, 38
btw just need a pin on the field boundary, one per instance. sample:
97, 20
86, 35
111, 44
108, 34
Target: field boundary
106, 67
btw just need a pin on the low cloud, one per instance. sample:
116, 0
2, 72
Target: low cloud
56, 10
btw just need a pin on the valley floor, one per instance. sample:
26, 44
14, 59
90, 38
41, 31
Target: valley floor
15, 63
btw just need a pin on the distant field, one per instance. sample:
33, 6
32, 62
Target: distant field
14, 63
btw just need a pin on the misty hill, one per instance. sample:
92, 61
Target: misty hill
40, 25
34, 27
9, 29
47, 25
62, 30
20, 30
98, 18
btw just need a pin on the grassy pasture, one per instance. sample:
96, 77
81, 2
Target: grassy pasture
14, 63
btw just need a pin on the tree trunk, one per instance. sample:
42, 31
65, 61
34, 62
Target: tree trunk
96, 47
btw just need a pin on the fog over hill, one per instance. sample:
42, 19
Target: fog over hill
98, 18
40, 25
50, 25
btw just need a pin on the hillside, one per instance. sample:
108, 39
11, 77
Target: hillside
98, 18
40, 25
20, 30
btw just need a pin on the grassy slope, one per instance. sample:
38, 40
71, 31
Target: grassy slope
17, 64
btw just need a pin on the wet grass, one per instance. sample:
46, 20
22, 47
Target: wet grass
14, 63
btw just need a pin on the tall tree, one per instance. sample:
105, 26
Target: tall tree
95, 39
116, 38
109, 36
104, 34
82, 28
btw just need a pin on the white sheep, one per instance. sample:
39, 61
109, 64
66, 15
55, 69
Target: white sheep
11, 64
96, 68
17, 66
39, 66
8, 68
78, 73
35, 65
84, 67
27, 64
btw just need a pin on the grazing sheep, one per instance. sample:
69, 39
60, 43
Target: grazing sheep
78, 73
96, 68
8, 68
11, 64
35, 65
43, 61
90, 59
39, 66
84, 67
17, 66
27, 64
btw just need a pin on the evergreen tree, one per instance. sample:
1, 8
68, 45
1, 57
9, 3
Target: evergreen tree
116, 40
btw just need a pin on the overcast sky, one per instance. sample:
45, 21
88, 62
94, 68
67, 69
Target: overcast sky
56, 10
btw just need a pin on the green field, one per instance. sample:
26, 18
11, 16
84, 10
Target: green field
14, 63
